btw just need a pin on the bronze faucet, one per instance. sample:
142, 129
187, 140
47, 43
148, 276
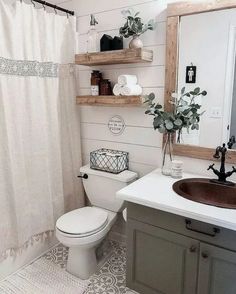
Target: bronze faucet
222, 175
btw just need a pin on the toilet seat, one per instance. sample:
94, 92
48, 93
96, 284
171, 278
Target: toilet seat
82, 222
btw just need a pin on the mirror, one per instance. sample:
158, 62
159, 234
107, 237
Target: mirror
203, 34
206, 59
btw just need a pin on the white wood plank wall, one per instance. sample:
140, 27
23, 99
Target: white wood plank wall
139, 138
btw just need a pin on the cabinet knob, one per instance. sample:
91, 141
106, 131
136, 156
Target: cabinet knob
193, 249
205, 255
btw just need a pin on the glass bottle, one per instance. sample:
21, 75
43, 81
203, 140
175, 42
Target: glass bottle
167, 154
96, 77
92, 41
105, 87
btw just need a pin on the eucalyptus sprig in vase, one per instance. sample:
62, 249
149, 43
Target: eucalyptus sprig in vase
185, 113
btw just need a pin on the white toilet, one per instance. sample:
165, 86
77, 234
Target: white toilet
83, 229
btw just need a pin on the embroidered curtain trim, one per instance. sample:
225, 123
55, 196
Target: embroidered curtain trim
28, 68
18, 251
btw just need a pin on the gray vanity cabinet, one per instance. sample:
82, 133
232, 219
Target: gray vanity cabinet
217, 270
169, 254
161, 261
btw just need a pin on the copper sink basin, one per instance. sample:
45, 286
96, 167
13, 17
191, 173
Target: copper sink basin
204, 191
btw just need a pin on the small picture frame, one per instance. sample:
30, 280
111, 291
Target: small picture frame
191, 73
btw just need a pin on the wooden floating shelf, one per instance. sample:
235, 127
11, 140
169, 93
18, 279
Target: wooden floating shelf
124, 56
109, 100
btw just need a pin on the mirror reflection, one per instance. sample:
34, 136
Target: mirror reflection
207, 60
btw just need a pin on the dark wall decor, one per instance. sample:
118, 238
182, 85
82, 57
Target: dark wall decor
191, 72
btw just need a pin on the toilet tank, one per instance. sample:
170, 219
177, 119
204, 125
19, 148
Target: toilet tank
101, 187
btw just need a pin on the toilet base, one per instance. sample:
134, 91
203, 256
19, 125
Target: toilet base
82, 262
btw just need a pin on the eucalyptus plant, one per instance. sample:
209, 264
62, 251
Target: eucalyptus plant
185, 112
134, 25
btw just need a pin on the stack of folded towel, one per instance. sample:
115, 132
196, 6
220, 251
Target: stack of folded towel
127, 86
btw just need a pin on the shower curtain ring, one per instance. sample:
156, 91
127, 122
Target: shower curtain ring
44, 2
55, 9
32, 1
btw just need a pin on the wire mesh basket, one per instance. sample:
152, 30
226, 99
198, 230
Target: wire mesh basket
108, 160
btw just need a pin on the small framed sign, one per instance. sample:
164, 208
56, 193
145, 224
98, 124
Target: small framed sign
191, 72
116, 125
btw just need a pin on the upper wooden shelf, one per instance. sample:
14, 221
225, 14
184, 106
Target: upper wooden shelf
109, 100
124, 56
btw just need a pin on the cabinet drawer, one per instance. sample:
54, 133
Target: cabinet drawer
195, 229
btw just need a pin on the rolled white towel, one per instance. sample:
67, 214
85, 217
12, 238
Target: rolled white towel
127, 80
117, 90
130, 90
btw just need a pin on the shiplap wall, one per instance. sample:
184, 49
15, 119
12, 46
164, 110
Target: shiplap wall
143, 143
139, 138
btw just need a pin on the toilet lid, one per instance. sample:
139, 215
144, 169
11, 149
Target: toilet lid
82, 221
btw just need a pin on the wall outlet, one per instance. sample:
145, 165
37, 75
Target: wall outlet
216, 112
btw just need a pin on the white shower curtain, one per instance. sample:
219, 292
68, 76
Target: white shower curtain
39, 125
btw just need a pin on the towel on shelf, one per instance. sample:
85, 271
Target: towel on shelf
131, 90
117, 90
127, 80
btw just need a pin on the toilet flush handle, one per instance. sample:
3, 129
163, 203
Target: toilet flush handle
84, 176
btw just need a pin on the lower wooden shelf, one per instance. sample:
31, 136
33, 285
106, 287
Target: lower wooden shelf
109, 100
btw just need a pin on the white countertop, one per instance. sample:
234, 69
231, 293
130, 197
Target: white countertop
155, 190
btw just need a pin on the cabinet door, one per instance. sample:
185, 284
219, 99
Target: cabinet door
159, 261
217, 270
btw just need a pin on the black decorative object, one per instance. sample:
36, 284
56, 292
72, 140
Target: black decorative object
222, 174
109, 160
191, 72
106, 43
231, 142
117, 43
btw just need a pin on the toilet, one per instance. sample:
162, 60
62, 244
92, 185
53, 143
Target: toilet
83, 229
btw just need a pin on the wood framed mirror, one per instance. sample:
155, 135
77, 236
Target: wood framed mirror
175, 14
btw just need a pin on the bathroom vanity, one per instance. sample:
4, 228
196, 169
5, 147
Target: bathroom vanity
177, 246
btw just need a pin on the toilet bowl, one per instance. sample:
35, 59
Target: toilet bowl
83, 229
73, 231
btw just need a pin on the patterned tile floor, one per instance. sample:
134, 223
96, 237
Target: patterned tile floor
110, 279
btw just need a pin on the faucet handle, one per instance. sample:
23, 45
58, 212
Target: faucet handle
228, 174
211, 166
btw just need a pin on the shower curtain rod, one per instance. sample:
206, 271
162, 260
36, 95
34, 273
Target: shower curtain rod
45, 3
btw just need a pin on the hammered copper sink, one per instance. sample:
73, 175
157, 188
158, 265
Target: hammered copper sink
204, 191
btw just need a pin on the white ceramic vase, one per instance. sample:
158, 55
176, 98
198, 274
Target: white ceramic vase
135, 43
